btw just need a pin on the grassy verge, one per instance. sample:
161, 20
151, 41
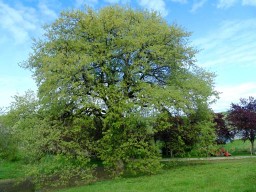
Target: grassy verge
225, 175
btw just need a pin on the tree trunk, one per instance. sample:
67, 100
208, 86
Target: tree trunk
252, 147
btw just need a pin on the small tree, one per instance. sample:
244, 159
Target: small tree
188, 133
242, 117
8, 145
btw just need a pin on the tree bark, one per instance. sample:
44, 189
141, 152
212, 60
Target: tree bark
252, 147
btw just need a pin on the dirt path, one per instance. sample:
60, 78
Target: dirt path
207, 158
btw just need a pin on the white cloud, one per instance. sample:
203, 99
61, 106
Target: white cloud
113, 1
197, 5
117, 1
232, 94
79, 3
156, 5
223, 4
180, 1
249, 2
234, 43
20, 23
230, 47
17, 22
226, 3
45, 10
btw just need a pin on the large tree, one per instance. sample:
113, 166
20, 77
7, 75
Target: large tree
242, 117
105, 75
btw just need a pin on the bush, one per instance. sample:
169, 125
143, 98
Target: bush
8, 145
59, 170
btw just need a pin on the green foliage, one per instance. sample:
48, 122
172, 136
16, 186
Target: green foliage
60, 170
45, 144
205, 144
128, 145
188, 135
11, 169
20, 124
14, 124
8, 144
91, 62
204, 131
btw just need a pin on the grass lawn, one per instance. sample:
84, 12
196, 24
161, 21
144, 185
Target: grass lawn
214, 176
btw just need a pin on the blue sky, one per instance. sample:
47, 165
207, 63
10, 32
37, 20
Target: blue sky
223, 30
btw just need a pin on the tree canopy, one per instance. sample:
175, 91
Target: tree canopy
91, 62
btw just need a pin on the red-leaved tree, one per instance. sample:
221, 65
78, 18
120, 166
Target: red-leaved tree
242, 117
222, 130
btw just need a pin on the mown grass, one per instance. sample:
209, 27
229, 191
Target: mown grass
206, 176
238, 147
